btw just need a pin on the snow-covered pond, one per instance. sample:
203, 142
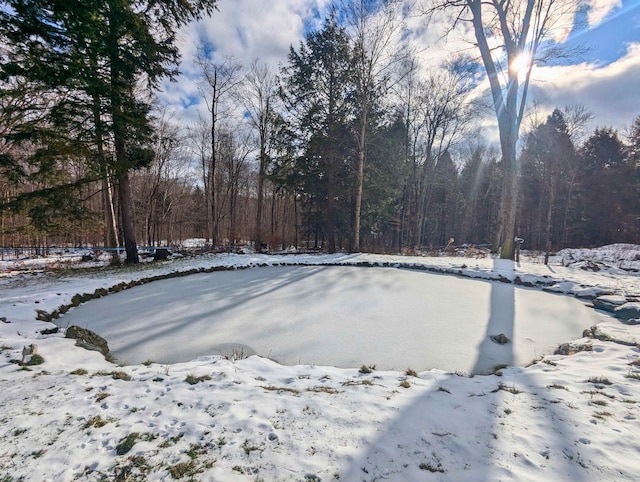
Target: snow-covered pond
340, 316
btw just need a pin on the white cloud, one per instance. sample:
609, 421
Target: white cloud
244, 29
599, 9
250, 29
610, 92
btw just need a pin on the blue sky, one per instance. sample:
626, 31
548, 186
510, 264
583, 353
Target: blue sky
605, 80
608, 41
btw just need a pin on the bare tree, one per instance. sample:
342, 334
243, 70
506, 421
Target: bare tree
158, 197
510, 35
373, 27
577, 117
259, 97
406, 92
234, 146
444, 114
199, 135
218, 81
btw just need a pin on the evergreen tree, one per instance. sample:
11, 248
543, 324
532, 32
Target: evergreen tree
443, 202
633, 159
383, 186
606, 190
90, 56
316, 91
480, 181
633, 149
547, 161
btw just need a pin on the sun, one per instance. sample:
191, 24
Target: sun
520, 65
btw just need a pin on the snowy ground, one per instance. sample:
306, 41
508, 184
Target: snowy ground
78, 417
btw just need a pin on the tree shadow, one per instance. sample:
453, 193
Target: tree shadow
493, 350
131, 339
458, 428
187, 318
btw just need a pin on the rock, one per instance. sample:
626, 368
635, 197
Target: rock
518, 281
500, 339
43, 316
615, 299
627, 311
28, 350
89, 340
571, 349
609, 303
588, 265
161, 254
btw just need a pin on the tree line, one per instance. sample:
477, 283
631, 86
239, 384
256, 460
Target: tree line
350, 145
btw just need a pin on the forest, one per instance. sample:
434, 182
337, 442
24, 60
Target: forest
352, 144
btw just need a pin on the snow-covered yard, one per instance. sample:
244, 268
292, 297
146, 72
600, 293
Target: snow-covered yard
78, 417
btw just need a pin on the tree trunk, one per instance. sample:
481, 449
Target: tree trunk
110, 228
360, 172
507, 125
552, 195
148, 226
509, 196
212, 191
260, 200
507, 217
212, 166
126, 209
124, 187
331, 210
295, 221
119, 142
233, 197
565, 223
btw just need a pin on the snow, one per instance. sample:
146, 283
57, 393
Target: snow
341, 316
570, 417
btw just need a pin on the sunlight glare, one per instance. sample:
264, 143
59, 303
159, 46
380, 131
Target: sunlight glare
520, 65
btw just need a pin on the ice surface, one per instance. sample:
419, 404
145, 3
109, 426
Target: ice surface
339, 316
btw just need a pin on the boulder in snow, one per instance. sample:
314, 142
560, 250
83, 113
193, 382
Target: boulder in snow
628, 311
89, 340
609, 302
500, 339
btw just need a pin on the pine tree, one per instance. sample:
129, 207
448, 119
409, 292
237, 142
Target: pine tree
90, 56
547, 162
605, 170
317, 84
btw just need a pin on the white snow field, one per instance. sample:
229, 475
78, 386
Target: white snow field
339, 316
571, 417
